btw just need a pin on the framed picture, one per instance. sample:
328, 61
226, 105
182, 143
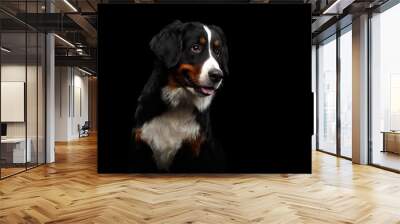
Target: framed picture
204, 88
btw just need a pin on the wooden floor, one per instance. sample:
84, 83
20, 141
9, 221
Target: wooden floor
386, 159
5, 172
70, 191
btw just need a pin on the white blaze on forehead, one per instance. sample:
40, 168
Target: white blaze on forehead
210, 63
211, 57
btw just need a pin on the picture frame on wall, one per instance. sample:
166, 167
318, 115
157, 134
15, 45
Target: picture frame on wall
204, 88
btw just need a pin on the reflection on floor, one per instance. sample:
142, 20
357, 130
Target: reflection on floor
10, 169
386, 159
346, 152
71, 191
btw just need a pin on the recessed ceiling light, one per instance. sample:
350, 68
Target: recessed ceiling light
5, 50
84, 71
70, 5
337, 6
65, 41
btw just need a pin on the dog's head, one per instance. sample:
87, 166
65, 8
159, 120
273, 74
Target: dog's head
195, 54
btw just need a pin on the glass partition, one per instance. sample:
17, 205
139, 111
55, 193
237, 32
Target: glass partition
41, 97
14, 153
32, 95
22, 78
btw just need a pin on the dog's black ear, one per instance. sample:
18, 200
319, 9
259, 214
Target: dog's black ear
224, 48
167, 44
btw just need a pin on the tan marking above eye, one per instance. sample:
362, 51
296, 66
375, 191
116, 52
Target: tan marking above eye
217, 43
203, 40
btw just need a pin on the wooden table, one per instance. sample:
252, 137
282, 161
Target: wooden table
391, 141
14, 150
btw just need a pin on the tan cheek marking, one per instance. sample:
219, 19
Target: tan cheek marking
138, 134
172, 81
193, 72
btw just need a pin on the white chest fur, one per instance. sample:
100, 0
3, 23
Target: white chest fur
166, 133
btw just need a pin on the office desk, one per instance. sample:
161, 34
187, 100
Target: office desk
13, 150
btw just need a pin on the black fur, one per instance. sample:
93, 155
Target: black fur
169, 48
167, 44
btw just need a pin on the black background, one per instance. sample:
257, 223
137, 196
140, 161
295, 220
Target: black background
263, 115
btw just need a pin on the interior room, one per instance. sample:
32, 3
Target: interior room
52, 103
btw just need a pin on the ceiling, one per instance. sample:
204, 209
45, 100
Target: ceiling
75, 21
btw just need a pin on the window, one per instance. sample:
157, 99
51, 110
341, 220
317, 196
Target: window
327, 95
385, 88
346, 93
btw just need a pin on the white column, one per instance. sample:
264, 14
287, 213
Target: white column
360, 90
50, 99
50, 92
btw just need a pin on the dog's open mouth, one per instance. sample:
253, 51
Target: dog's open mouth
205, 90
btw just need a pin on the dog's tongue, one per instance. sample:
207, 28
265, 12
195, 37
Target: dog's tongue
207, 91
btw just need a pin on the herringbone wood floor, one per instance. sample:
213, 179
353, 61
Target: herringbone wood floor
70, 191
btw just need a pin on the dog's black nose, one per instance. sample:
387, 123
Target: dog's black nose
215, 75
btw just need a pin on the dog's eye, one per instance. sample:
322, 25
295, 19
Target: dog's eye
196, 48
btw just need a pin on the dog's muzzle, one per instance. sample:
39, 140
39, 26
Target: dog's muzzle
215, 78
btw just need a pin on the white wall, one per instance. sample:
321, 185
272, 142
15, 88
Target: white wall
80, 89
71, 93
62, 81
16, 73
12, 73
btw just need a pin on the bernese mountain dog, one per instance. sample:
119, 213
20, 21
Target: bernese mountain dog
172, 130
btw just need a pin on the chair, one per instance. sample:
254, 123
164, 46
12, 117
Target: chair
84, 130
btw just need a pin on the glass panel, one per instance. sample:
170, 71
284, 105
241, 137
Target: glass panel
13, 86
22, 87
31, 100
385, 87
31, 84
327, 96
346, 94
41, 98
